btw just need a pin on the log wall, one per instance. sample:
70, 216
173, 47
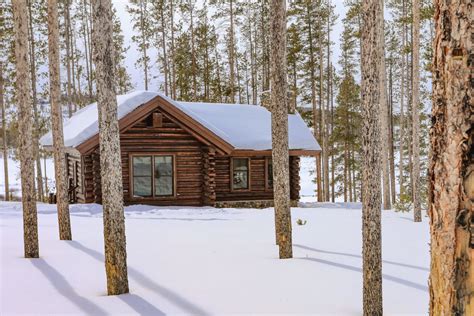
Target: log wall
202, 176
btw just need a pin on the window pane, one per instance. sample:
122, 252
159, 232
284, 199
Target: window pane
142, 166
270, 173
142, 186
240, 174
163, 175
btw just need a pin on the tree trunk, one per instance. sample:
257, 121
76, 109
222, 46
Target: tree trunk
231, 53
68, 58
193, 50
391, 149
371, 195
173, 65
280, 153
57, 123
163, 43
402, 107
384, 132
4, 136
452, 163
25, 126
39, 177
414, 111
85, 34
142, 29
110, 159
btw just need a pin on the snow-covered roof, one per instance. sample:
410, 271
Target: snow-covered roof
246, 127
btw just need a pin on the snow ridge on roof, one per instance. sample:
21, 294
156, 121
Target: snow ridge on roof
246, 127
84, 124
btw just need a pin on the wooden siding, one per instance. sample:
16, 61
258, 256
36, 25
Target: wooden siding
258, 190
170, 138
196, 166
75, 174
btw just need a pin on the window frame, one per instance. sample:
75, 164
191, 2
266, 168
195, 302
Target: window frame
153, 196
249, 171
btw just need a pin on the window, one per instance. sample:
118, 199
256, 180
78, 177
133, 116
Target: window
163, 175
240, 173
269, 174
153, 176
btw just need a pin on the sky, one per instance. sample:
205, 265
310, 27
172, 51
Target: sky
132, 55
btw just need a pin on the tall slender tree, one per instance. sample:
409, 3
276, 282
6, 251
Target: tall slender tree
371, 193
110, 159
27, 166
452, 162
384, 131
57, 123
279, 113
414, 110
4, 135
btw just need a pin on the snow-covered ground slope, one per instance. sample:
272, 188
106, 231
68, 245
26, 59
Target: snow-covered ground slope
211, 261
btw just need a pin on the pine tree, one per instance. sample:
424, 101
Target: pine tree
415, 106
138, 9
452, 163
371, 194
57, 125
110, 159
279, 114
30, 217
4, 135
124, 83
384, 131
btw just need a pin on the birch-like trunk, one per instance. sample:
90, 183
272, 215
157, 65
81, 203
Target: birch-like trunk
57, 123
25, 126
279, 110
414, 111
452, 162
371, 194
4, 136
110, 159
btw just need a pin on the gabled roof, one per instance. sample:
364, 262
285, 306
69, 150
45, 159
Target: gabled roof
228, 126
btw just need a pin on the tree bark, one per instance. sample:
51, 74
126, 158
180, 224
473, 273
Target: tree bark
371, 194
57, 123
68, 58
414, 111
402, 107
36, 151
231, 52
384, 132
142, 29
4, 136
110, 158
451, 170
163, 43
280, 153
391, 149
25, 126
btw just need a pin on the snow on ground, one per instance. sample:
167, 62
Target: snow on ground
211, 261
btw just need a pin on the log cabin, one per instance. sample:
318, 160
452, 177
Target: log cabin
182, 153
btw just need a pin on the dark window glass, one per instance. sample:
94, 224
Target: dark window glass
142, 176
269, 173
163, 175
240, 174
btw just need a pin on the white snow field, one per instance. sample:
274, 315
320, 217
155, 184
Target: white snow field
200, 261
